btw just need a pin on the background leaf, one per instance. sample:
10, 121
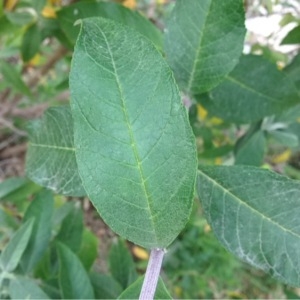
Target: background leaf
41, 209
293, 71
253, 90
105, 286
69, 15
255, 215
13, 251
73, 279
203, 42
133, 291
251, 149
121, 264
129, 119
71, 229
50, 159
31, 42
25, 288
293, 37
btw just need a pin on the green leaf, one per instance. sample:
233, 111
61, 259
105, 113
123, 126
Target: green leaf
105, 287
251, 150
73, 279
13, 78
88, 251
22, 16
25, 288
203, 42
68, 15
253, 90
31, 42
71, 229
285, 137
12, 253
41, 209
255, 215
10, 185
50, 159
133, 291
293, 71
293, 37
121, 264
38, 4
134, 146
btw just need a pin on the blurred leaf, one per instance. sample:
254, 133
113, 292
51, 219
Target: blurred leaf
293, 71
88, 251
25, 288
293, 37
14, 78
105, 286
70, 14
31, 42
285, 138
71, 229
253, 90
61, 213
12, 253
41, 209
251, 149
50, 159
121, 264
133, 291
23, 193
22, 16
73, 279
139, 146
10, 185
38, 5
204, 40
255, 215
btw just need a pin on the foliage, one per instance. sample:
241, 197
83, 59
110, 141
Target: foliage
130, 140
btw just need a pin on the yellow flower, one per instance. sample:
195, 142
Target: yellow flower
140, 253
282, 157
49, 12
130, 4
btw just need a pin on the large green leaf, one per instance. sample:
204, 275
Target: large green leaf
255, 215
253, 90
121, 264
134, 146
133, 291
25, 288
73, 278
50, 159
204, 40
13, 251
68, 15
41, 209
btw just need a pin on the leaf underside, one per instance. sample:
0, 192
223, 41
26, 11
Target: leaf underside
50, 159
255, 215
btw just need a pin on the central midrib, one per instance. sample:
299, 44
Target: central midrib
130, 132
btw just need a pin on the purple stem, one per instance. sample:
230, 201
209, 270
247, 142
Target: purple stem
152, 274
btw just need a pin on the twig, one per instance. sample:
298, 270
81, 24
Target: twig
152, 274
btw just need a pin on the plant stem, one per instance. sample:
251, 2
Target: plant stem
152, 274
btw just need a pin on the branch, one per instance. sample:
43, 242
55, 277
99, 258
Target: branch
152, 274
